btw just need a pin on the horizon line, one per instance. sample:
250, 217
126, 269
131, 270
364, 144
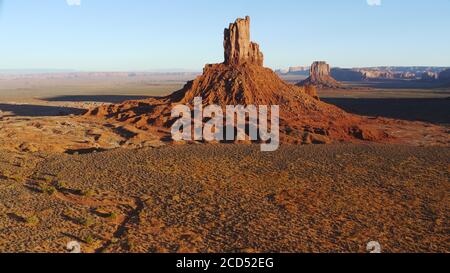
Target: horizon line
180, 70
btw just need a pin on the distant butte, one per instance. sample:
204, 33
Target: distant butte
320, 77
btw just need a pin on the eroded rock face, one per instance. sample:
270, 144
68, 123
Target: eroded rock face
238, 47
320, 76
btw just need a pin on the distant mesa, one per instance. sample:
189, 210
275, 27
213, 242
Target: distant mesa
445, 75
429, 76
378, 74
387, 73
444, 78
319, 76
294, 70
347, 74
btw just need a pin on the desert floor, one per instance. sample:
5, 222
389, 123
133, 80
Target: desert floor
232, 198
115, 189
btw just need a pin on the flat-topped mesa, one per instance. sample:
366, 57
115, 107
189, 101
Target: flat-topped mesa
320, 77
238, 47
319, 70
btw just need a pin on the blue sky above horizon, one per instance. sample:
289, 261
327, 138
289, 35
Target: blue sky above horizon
124, 35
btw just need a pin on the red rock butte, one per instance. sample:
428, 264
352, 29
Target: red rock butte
320, 77
242, 80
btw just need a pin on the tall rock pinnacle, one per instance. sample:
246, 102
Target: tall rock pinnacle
238, 47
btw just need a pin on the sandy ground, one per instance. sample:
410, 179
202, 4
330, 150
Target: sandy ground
228, 198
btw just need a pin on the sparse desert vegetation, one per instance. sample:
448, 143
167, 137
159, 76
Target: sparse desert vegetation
317, 198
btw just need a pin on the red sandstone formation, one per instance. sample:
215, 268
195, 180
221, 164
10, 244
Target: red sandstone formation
320, 77
242, 80
238, 47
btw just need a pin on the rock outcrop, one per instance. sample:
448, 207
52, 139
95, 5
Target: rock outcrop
320, 76
242, 80
238, 47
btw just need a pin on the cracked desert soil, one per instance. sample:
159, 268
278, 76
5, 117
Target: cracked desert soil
227, 198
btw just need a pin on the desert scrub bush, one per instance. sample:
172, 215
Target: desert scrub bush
48, 179
5, 173
89, 239
131, 246
32, 220
86, 221
87, 193
13, 176
16, 177
112, 216
60, 185
44, 188
50, 190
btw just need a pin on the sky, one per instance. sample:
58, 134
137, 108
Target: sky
156, 35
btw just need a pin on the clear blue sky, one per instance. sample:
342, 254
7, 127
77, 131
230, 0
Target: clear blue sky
161, 34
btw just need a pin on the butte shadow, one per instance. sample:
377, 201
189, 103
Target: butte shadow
28, 110
96, 98
427, 110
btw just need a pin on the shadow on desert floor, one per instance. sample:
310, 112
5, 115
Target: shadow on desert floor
399, 84
28, 110
96, 98
427, 110
432, 110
